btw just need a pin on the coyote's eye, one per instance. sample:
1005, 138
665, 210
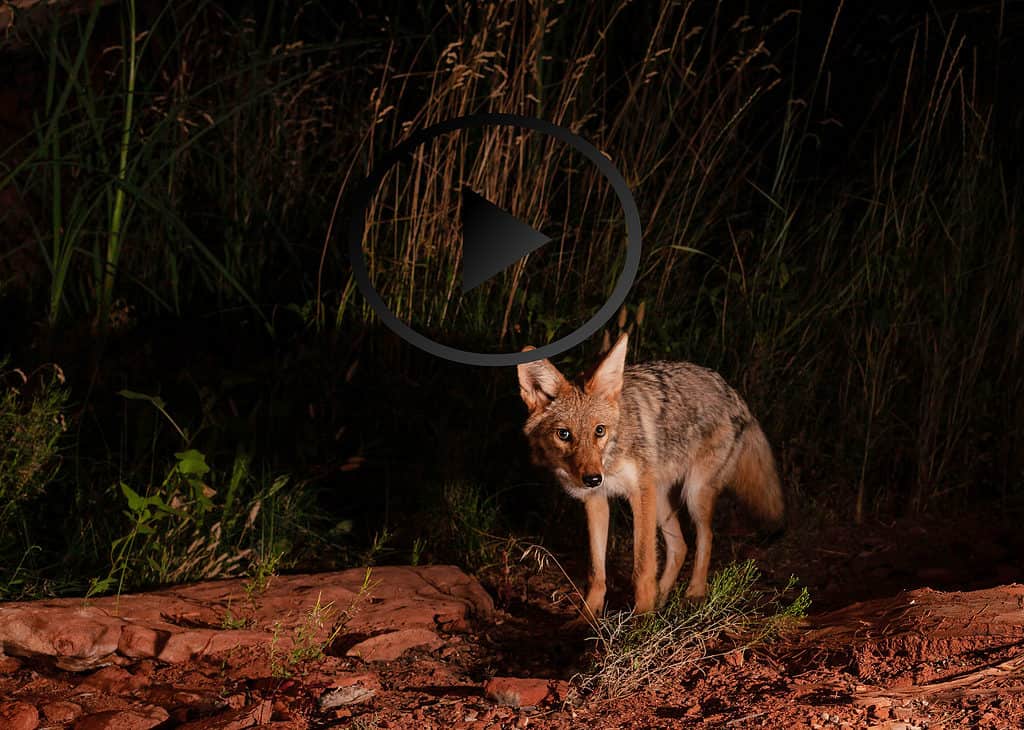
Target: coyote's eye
563, 433
599, 431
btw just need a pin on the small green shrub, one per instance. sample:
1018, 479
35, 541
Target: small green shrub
635, 651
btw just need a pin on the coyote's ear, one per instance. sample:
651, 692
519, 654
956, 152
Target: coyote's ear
539, 382
607, 378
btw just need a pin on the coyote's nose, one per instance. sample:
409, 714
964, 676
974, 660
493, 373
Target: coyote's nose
592, 480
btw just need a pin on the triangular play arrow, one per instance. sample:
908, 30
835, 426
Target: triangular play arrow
492, 239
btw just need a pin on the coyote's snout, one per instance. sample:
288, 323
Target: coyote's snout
658, 434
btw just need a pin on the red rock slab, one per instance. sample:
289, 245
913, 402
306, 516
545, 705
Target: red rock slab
183, 623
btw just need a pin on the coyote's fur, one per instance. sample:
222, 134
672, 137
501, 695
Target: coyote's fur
657, 433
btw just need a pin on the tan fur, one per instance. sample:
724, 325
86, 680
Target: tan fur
658, 434
754, 470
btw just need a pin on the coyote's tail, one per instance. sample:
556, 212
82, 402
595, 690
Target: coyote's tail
756, 479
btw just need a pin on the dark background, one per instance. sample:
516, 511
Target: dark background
840, 239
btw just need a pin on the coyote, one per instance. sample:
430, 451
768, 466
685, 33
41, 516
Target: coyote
654, 433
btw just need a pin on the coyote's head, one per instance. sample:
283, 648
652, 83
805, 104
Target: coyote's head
572, 427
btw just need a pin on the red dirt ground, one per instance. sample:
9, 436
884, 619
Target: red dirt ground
914, 625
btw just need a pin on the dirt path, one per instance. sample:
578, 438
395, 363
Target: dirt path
427, 647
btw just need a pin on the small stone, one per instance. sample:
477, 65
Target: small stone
735, 658
246, 717
350, 689
341, 696
145, 668
141, 718
367, 679
517, 692
18, 716
880, 711
236, 701
114, 680
449, 651
902, 713
391, 645
61, 711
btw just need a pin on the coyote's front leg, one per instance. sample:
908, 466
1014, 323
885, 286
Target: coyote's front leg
643, 502
597, 528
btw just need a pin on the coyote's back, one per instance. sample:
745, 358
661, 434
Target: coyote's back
680, 416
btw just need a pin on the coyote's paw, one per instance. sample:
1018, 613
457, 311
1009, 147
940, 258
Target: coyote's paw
645, 598
695, 595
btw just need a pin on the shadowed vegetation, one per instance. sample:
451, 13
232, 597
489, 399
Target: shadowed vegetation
830, 209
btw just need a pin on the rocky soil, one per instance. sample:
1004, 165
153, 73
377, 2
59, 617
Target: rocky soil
426, 647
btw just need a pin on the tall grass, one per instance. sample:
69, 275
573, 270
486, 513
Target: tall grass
539, 60
869, 312
31, 424
172, 162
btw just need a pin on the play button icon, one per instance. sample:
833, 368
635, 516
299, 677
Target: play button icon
439, 245
492, 240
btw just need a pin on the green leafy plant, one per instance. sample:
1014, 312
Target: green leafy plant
181, 529
232, 622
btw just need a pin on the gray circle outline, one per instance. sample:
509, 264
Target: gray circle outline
357, 226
